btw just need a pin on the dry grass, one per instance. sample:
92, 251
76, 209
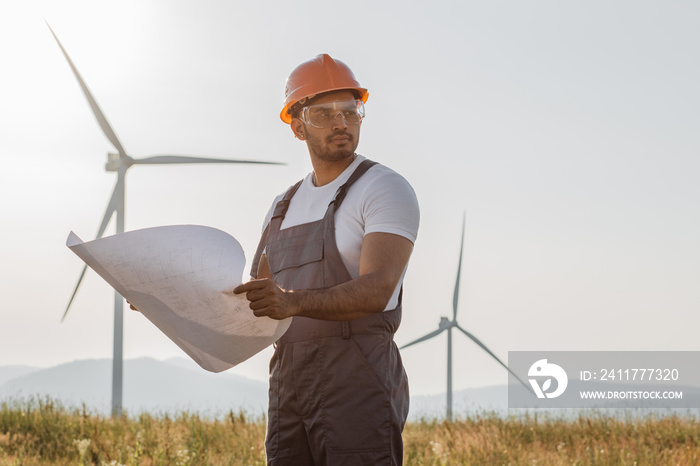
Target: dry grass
45, 433
42, 432
594, 440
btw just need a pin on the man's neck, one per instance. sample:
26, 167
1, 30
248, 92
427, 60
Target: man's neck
325, 172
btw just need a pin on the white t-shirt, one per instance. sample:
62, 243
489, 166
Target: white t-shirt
380, 201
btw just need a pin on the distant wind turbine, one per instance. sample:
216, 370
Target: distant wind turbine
120, 163
446, 324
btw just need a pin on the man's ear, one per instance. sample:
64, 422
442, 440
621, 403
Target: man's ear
298, 128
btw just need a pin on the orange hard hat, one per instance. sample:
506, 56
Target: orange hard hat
318, 75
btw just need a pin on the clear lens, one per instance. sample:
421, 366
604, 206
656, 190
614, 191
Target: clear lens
324, 115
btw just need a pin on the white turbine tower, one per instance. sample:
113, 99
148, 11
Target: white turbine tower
120, 162
446, 324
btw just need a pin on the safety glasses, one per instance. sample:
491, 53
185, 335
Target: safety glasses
324, 115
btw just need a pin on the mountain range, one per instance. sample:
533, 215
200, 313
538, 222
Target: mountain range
175, 385
149, 385
178, 384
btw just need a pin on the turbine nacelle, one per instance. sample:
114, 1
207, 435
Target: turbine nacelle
446, 323
116, 161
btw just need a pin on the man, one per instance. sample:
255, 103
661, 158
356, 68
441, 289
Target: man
333, 254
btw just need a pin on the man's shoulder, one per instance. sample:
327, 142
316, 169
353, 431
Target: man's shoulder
384, 178
379, 169
387, 202
294, 186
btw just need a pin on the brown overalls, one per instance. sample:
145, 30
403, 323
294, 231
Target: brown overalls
338, 390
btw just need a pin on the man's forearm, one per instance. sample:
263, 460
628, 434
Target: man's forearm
357, 298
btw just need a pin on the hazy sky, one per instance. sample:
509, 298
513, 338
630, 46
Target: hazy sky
567, 130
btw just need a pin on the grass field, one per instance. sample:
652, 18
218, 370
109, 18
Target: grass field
42, 432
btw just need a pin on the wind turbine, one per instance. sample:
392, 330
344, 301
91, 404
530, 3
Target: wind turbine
446, 324
120, 162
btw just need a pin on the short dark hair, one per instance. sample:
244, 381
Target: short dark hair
295, 109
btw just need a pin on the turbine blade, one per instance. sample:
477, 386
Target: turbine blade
167, 159
423, 338
111, 208
483, 346
104, 124
75, 291
455, 298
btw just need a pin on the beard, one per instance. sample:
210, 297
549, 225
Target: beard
324, 150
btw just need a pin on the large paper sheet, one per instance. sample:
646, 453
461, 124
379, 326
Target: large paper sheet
180, 278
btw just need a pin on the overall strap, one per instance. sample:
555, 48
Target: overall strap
343, 190
282, 206
275, 222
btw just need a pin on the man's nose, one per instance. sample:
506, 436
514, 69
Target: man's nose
339, 122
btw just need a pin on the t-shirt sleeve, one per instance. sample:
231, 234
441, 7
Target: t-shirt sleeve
391, 206
270, 211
